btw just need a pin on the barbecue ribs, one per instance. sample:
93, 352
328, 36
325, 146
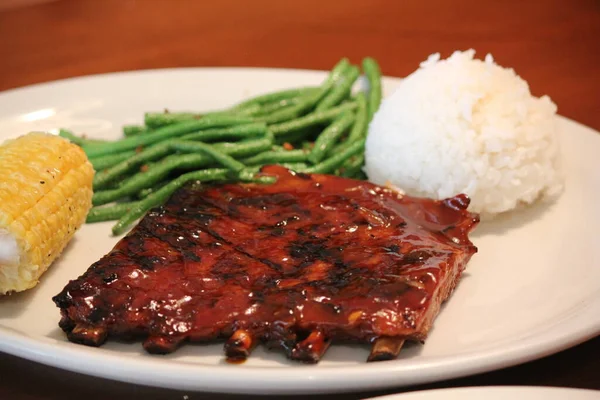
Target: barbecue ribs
297, 264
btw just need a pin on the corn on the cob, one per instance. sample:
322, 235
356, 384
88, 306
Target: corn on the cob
45, 195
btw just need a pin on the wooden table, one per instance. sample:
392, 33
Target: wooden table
553, 44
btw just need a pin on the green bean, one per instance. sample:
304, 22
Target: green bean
359, 129
269, 108
103, 162
161, 195
154, 175
373, 73
235, 132
329, 137
71, 137
310, 100
299, 167
155, 120
78, 140
245, 148
353, 166
109, 213
148, 191
307, 145
167, 132
249, 174
269, 136
103, 178
276, 96
337, 72
287, 113
132, 130
250, 111
341, 91
220, 157
334, 162
276, 157
295, 137
314, 118
240, 149
160, 170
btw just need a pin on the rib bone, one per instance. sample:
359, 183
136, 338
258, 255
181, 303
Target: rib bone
239, 346
162, 344
88, 335
386, 348
311, 349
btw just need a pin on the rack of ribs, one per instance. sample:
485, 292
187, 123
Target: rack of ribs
297, 264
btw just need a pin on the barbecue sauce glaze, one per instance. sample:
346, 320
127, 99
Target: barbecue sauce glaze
348, 259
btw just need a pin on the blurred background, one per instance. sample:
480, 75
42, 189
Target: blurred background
551, 43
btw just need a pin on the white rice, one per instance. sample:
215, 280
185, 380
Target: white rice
463, 125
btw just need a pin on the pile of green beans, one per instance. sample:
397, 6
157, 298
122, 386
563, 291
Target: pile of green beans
317, 129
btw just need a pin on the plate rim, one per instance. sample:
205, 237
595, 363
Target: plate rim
125, 73
483, 390
41, 351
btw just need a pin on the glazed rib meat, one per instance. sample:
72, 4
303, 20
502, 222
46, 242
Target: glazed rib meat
297, 264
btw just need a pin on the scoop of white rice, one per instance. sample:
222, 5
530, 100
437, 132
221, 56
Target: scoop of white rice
463, 125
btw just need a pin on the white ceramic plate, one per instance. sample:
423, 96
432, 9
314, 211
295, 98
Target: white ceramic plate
498, 393
532, 290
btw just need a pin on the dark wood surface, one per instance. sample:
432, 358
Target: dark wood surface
553, 44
